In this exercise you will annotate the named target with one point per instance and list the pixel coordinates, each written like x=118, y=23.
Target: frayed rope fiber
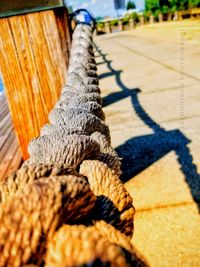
x=66, y=205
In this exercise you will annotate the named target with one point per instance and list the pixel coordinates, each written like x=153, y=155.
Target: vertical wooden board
x=10, y=155
x=65, y=30
x=18, y=27
x=33, y=60
x=46, y=73
x=7, y=152
x=13, y=80
x=48, y=59
x=14, y=164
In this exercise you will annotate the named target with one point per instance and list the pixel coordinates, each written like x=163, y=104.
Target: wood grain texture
x=10, y=154
x=34, y=53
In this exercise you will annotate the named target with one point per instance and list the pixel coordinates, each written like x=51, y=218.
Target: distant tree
x=183, y=4
x=194, y=3
x=152, y=5
x=173, y=5
x=130, y=5
x=164, y=3
x=165, y=9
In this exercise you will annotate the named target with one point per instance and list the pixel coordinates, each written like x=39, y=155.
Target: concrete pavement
x=150, y=82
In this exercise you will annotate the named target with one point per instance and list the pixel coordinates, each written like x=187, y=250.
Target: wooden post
x=120, y=25
x=131, y=24
x=95, y=32
x=108, y=27
x=34, y=53
x=73, y=24
x=169, y=17
x=180, y=15
x=160, y=17
x=152, y=19
x=142, y=20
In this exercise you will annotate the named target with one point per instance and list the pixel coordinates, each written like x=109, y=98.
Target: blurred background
x=148, y=62
x=148, y=58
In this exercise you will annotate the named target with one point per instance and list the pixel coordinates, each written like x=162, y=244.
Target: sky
x=101, y=8
x=1, y=86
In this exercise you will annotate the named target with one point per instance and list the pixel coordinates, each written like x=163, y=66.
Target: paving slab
x=151, y=95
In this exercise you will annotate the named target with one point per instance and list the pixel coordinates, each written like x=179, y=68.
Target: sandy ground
x=150, y=82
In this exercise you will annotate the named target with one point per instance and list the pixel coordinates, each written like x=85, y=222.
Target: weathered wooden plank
x=3, y=106
x=33, y=60
x=8, y=158
x=14, y=163
x=3, y=113
x=6, y=126
x=2, y=103
x=6, y=129
x=2, y=99
x=5, y=120
x=3, y=142
x=5, y=146
x=10, y=154
x=64, y=32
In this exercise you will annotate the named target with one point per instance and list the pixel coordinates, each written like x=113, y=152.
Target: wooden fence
x=107, y=26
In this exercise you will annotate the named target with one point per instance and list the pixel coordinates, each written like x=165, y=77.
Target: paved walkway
x=153, y=113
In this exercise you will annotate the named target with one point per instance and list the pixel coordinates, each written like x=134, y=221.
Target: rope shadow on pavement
x=138, y=153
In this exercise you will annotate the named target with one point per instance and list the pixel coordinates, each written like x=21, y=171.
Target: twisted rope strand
x=66, y=206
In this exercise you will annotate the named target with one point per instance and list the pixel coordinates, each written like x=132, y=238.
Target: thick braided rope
x=71, y=178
